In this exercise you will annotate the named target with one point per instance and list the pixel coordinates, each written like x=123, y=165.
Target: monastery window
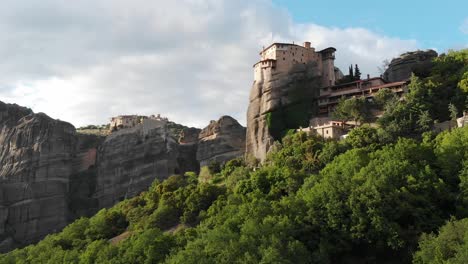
x=284, y=58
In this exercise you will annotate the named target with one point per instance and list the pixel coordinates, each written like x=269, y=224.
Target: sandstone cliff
x=36, y=161
x=419, y=62
x=188, y=146
x=221, y=141
x=50, y=174
x=129, y=160
x=277, y=103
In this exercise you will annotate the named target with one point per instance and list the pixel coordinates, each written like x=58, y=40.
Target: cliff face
x=419, y=62
x=277, y=100
x=36, y=160
x=129, y=160
x=221, y=141
x=50, y=175
x=188, y=146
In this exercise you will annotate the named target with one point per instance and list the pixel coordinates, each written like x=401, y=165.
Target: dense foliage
x=393, y=194
x=313, y=201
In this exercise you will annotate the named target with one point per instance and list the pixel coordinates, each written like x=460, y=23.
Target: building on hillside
x=329, y=96
x=158, y=117
x=129, y=121
x=280, y=58
x=332, y=129
x=463, y=121
x=327, y=128
x=124, y=121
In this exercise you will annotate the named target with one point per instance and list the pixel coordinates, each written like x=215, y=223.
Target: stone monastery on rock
x=279, y=59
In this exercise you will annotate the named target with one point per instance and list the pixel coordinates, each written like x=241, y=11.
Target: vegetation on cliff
x=297, y=106
x=394, y=194
x=312, y=201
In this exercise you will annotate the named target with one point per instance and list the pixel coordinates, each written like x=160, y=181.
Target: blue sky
x=434, y=24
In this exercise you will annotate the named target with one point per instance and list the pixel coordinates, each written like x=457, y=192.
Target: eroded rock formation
x=221, y=141
x=131, y=159
x=419, y=62
x=50, y=175
x=36, y=162
x=274, y=94
x=188, y=145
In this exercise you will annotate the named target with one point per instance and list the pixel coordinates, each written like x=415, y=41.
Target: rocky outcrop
x=189, y=135
x=418, y=62
x=50, y=174
x=221, y=141
x=130, y=159
x=270, y=97
x=83, y=180
x=36, y=162
x=188, y=146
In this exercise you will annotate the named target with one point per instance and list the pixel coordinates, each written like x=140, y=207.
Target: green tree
x=351, y=74
x=453, y=112
x=356, y=109
x=449, y=246
x=425, y=121
x=383, y=97
x=364, y=137
x=357, y=72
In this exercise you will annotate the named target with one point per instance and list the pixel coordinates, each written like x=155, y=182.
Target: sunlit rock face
x=221, y=141
x=273, y=93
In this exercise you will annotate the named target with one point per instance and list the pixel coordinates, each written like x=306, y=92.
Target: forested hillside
x=393, y=194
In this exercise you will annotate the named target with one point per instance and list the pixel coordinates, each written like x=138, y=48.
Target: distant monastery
x=129, y=121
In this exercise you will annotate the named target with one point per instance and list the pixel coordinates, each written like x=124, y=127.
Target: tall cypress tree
x=357, y=73
x=351, y=75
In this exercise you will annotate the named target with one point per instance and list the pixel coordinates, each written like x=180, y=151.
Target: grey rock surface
x=50, y=174
x=221, y=141
x=36, y=162
x=131, y=159
x=272, y=94
x=419, y=62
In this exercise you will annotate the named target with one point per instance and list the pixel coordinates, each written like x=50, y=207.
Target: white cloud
x=464, y=26
x=84, y=61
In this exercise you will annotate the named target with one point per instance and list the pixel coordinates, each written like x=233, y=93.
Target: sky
x=85, y=61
